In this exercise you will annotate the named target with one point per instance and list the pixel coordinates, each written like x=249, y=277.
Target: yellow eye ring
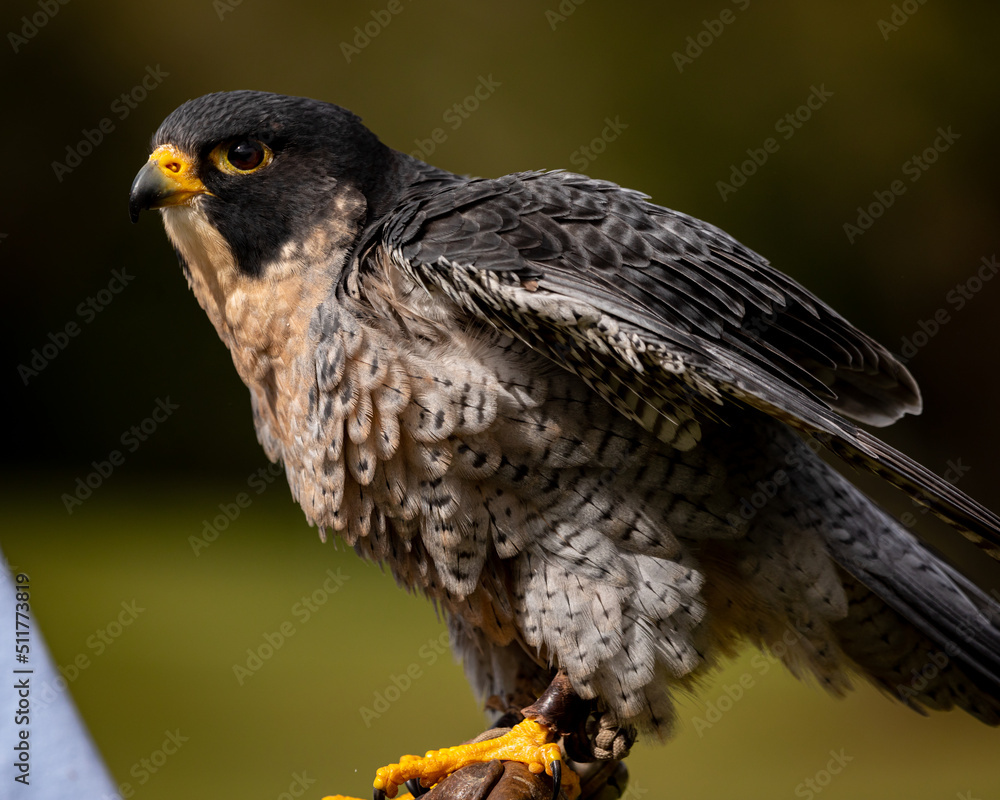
x=241, y=156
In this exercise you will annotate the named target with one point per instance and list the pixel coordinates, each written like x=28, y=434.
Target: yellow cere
x=178, y=172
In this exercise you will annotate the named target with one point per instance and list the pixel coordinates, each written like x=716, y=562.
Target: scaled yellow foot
x=406, y=796
x=527, y=742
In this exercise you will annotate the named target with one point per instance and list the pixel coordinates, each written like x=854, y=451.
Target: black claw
x=416, y=787
x=556, y=779
x=378, y=794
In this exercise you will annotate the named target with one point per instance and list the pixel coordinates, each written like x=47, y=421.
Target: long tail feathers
x=970, y=518
x=950, y=629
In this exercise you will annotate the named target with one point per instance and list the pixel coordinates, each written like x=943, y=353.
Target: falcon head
x=245, y=179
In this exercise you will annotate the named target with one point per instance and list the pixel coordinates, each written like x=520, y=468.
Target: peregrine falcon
x=586, y=426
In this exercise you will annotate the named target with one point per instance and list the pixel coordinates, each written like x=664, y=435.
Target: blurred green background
x=560, y=74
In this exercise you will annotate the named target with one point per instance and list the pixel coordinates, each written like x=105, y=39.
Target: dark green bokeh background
x=172, y=669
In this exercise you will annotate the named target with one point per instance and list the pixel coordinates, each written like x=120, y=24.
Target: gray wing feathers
x=664, y=315
x=662, y=271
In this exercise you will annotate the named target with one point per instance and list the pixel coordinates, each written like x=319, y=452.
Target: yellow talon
x=527, y=742
x=406, y=796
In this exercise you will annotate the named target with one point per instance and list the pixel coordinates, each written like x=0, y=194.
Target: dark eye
x=241, y=156
x=246, y=154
